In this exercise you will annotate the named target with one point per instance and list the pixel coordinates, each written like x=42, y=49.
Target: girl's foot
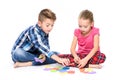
x=22, y=64
x=98, y=66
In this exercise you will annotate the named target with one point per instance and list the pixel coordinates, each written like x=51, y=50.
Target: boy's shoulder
x=30, y=27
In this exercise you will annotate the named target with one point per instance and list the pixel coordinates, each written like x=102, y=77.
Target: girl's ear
x=92, y=24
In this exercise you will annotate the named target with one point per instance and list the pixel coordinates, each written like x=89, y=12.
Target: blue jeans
x=20, y=55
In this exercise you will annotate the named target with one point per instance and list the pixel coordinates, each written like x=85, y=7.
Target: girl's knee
x=104, y=56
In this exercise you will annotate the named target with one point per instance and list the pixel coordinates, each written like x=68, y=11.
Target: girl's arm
x=95, y=48
x=84, y=61
x=73, y=46
x=73, y=50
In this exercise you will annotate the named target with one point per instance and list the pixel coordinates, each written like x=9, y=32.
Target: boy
x=32, y=46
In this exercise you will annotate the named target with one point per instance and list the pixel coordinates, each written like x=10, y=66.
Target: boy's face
x=46, y=25
x=84, y=25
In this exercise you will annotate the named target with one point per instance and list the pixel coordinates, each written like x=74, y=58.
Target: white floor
x=7, y=72
x=16, y=15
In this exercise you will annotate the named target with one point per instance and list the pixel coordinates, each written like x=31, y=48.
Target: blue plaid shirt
x=34, y=38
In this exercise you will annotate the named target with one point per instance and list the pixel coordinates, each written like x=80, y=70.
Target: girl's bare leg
x=22, y=64
x=98, y=66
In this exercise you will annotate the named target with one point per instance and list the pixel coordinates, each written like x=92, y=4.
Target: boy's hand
x=64, y=61
x=42, y=57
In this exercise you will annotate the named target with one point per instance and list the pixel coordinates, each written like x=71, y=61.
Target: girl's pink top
x=86, y=43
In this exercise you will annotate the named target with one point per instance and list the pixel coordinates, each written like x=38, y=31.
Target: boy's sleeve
x=36, y=40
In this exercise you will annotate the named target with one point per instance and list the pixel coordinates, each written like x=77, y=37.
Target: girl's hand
x=64, y=61
x=82, y=63
x=77, y=59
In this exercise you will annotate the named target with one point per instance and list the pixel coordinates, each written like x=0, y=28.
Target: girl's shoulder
x=95, y=30
x=77, y=32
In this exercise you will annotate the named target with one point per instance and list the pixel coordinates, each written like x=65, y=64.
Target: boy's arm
x=37, y=41
x=56, y=58
x=63, y=61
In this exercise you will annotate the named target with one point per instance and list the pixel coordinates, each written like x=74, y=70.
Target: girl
x=87, y=38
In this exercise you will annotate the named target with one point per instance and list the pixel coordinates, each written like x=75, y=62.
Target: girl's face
x=85, y=25
x=46, y=25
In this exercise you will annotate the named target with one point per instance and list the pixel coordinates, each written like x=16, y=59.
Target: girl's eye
x=80, y=26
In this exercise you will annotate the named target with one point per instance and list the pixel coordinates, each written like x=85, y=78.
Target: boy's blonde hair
x=46, y=13
x=86, y=14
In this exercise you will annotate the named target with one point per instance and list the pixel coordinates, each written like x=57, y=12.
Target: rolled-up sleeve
x=50, y=53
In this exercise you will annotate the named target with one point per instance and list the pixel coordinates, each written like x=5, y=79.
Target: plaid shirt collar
x=40, y=31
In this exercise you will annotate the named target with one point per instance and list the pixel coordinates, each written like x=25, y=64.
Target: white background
x=17, y=15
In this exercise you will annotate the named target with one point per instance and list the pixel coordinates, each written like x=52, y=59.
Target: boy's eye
x=47, y=25
x=52, y=25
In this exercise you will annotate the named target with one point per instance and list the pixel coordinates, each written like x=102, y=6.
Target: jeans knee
x=17, y=53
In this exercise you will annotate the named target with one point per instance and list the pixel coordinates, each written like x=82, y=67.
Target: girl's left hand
x=82, y=63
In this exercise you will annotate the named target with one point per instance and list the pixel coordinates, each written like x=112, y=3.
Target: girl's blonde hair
x=46, y=13
x=86, y=14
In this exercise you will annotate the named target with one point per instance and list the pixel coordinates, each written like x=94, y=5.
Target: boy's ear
x=39, y=23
